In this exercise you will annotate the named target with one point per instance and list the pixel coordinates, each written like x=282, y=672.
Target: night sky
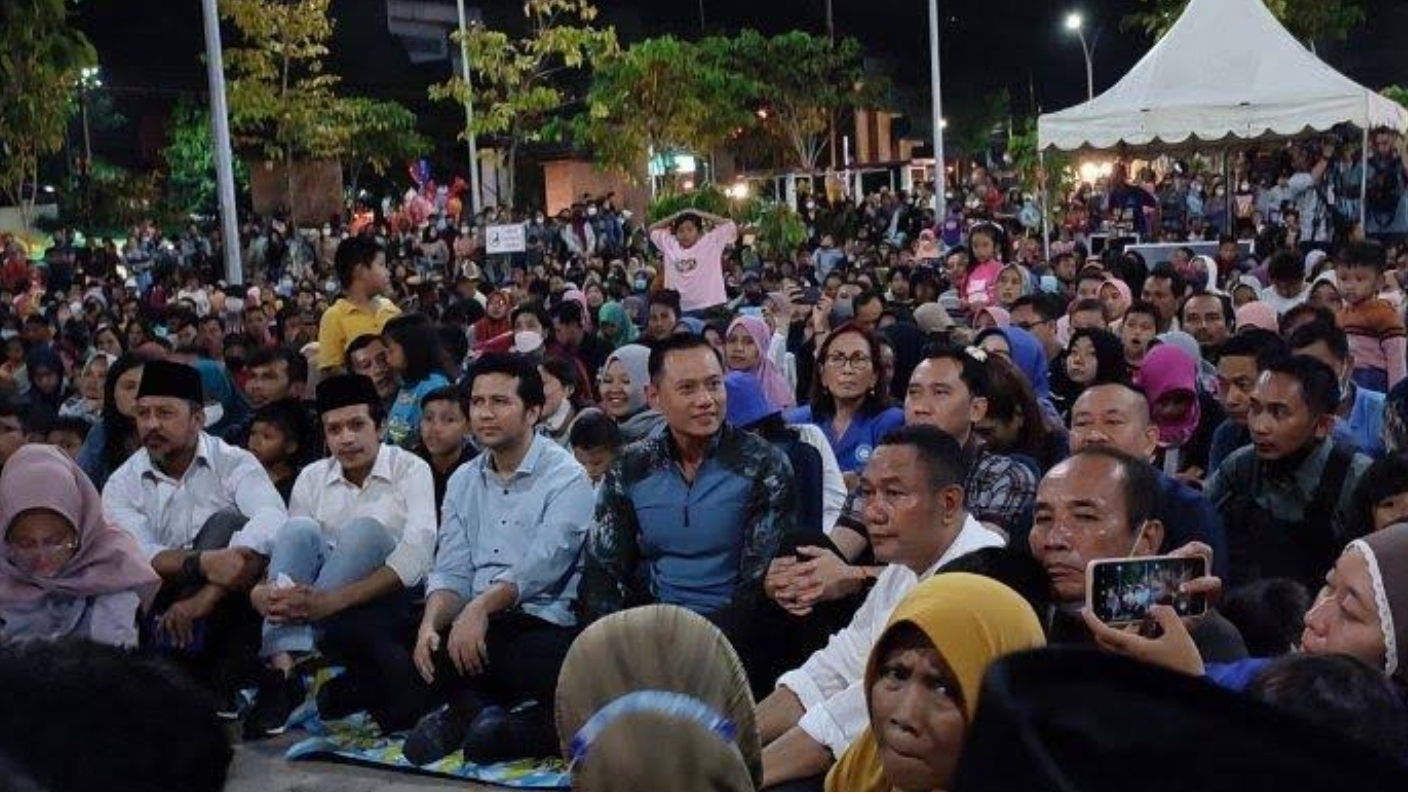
x=149, y=49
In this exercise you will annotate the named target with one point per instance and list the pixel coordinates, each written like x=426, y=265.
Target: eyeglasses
x=857, y=361
x=41, y=550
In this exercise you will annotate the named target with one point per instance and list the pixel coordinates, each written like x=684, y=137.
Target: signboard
x=507, y=239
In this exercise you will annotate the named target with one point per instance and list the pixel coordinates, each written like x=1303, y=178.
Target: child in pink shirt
x=1375, y=328
x=979, y=287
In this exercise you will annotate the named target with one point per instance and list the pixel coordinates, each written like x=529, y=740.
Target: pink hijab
x=1168, y=369
x=1000, y=316
x=1258, y=314
x=775, y=388
x=1126, y=297
x=107, y=560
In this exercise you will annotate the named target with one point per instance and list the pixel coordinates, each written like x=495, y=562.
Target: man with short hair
x=1164, y=288
x=1038, y=314
x=1243, y=357
x=206, y=513
x=911, y=496
x=1117, y=415
x=360, y=537
x=663, y=315
x=499, y=619
x=1359, y=417
x=1286, y=499
x=869, y=305
x=367, y=356
x=272, y=374
x=361, y=270
x=1208, y=318
x=1101, y=503
x=212, y=336
x=694, y=515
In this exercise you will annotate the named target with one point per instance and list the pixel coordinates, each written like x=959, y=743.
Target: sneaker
x=438, y=734
x=276, y=699
x=228, y=705
x=499, y=735
x=339, y=698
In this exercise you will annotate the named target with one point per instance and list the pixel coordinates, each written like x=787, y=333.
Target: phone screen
x=1122, y=591
x=811, y=296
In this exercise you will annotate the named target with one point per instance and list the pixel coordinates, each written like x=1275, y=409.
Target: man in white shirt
x=206, y=513
x=361, y=533
x=911, y=498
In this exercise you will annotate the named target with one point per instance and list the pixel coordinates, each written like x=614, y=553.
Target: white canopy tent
x=1227, y=70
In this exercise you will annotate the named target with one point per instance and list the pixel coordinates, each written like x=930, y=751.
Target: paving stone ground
x=260, y=766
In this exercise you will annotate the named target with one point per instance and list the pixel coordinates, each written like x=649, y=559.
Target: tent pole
x=1363, y=178
x=1045, y=205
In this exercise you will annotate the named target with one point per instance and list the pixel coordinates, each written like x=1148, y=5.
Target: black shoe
x=438, y=734
x=228, y=705
x=498, y=735
x=340, y=698
x=276, y=699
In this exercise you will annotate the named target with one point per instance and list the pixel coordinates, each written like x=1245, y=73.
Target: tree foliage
x=381, y=133
x=662, y=95
x=799, y=81
x=190, y=162
x=41, y=54
x=1308, y=20
x=520, y=82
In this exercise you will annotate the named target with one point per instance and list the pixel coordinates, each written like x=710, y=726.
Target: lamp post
x=469, y=115
x=1076, y=24
x=940, y=174
x=220, y=129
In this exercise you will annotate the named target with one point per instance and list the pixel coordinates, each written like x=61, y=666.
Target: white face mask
x=527, y=341
x=9, y=333
x=330, y=286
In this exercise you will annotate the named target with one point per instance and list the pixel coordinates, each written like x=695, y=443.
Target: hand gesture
x=178, y=623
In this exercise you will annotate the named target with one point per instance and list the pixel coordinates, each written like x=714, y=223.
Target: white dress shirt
x=399, y=493
x=831, y=683
x=164, y=513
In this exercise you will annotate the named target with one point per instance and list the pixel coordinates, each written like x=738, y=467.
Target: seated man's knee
x=365, y=535
x=300, y=535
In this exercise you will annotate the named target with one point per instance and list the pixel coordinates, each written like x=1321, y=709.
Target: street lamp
x=469, y=112
x=1076, y=24
x=936, y=107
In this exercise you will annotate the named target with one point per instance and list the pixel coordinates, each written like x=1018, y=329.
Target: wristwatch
x=190, y=569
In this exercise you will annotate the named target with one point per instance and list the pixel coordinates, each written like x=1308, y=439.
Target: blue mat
x=357, y=740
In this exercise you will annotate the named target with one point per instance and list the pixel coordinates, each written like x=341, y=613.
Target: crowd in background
x=834, y=484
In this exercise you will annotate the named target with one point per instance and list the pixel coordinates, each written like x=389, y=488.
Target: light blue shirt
x=528, y=531
x=403, y=420
x=1363, y=429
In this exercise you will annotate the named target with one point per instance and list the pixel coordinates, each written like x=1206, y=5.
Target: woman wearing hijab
x=622, y=390
x=47, y=390
x=1257, y=314
x=617, y=329
x=1117, y=298
x=1027, y=354
x=923, y=679
x=1185, y=414
x=114, y=439
x=746, y=346
x=87, y=401
x=991, y=317
x=1093, y=356
x=656, y=699
x=66, y=572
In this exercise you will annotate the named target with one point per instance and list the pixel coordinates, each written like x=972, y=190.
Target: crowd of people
x=775, y=516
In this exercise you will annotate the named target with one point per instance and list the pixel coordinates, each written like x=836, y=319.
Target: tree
x=664, y=96
x=1308, y=20
x=41, y=53
x=282, y=105
x=190, y=162
x=519, y=82
x=800, y=81
x=379, y=133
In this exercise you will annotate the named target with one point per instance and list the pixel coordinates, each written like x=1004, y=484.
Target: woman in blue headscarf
x=1026, y=353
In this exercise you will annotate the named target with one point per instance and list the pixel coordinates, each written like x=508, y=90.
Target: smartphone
x=1121, y=591
x=751, y=311
x=811, y=296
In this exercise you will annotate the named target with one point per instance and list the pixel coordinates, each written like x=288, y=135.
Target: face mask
x=591, y=212
x=9, y=333
x=330, y=286
x=538, y=219
x=75, y=308
x=327, y=230
x=527, y=341
x=641, y=284
x=464, y=230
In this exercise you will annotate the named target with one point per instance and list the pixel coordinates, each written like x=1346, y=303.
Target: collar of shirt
x=526, y=467
x=381, y=469
x=203, y=458
x=672, y=450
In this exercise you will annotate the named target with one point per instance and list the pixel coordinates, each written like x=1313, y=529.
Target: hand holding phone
x=1123, y=591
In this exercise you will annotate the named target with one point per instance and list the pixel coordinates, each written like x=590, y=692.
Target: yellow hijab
x=972, y=621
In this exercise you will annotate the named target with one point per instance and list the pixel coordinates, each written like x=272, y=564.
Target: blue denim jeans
x=302, y=551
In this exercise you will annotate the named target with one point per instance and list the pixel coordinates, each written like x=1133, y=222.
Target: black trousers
x=525, y=657
x=228, y=655
x=369, y=640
